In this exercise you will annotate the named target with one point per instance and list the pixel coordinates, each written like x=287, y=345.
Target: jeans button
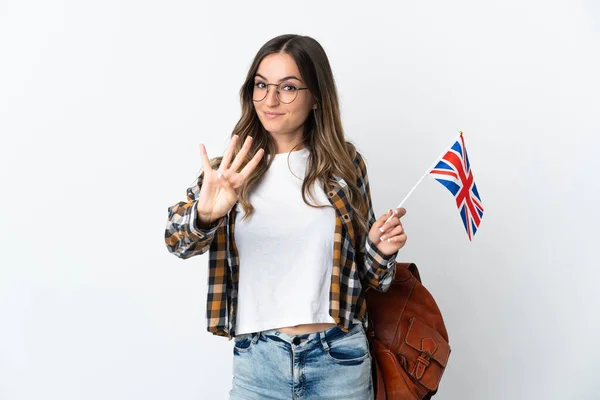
x=296, y=341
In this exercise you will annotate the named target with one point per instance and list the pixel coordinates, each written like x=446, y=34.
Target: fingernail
x=381, y=230
x=382, y=238
x=388, y=240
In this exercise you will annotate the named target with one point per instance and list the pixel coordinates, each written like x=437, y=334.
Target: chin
x=273, y=126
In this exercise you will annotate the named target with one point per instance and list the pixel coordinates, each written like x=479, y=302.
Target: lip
x=272, y=115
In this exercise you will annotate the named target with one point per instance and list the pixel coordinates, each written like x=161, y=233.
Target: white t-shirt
x=285, y=250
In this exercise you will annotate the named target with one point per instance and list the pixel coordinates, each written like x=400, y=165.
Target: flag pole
x=421, y=180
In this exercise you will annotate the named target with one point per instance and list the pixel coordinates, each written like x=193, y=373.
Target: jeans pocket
x=244, y=343
x=349, y=348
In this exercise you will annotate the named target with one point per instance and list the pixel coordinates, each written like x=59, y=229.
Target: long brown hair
x=330, y=153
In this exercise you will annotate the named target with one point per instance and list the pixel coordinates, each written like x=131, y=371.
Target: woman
x=287, y=216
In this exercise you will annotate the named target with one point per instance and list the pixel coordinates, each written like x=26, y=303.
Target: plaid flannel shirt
x=357, y=262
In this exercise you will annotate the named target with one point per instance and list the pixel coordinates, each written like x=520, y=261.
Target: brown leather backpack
x=407, y=338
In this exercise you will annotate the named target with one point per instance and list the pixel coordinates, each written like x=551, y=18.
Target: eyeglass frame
x=276, y=92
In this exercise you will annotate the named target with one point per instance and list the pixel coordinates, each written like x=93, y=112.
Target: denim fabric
x=329, y=364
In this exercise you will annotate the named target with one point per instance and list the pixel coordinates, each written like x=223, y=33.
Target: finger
x=389, y=223
x=241, y=156
x=398, y=239
x=228, y=153
x=397, y=212
x=205, y=161
x=398, y=230
x=252, y=164
x=400, y=212
x=379, y=223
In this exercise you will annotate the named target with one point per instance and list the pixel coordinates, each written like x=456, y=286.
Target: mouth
x=272, y=115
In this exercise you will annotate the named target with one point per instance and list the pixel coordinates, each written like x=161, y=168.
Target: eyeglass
x=286, y=93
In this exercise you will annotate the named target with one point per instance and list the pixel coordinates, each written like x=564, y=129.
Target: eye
x=259, y=85
x=289, y=88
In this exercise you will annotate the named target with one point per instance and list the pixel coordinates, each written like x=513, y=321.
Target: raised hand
x=219, y=190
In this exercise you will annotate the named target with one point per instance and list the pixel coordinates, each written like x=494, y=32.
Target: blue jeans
x=329, y=364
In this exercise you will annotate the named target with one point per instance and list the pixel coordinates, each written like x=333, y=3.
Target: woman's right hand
x=219, y=190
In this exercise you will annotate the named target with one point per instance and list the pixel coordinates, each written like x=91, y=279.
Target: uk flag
x=454, y=172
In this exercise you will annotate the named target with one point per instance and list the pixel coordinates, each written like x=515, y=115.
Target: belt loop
x=323, y=341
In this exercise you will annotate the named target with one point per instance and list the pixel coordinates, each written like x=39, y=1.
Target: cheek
x=301, y=112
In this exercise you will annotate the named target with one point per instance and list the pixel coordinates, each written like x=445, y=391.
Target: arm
x=185, y=235
x=212, y=198
x=377, y=270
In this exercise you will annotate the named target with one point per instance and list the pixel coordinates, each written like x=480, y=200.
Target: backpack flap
x=426, y=352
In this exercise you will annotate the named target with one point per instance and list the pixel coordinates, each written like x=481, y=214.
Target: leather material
x=408, y=339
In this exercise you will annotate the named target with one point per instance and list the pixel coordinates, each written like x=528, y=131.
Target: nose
x=272, y=99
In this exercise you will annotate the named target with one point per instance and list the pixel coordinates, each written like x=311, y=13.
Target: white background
x=102, y=108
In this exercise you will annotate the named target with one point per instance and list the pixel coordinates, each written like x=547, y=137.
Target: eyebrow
x=282, y=79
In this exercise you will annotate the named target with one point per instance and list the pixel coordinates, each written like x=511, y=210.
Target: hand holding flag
x=388, y=235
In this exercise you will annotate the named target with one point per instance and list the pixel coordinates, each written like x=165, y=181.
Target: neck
x=284, y=143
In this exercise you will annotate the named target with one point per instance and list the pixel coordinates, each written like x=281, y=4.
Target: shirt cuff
x=376, y=258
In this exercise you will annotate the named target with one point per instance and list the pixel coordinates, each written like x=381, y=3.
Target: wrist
x=204, y=221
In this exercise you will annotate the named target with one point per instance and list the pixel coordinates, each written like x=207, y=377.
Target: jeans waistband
x=329, y=333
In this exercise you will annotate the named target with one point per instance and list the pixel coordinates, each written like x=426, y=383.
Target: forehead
x=278, y=65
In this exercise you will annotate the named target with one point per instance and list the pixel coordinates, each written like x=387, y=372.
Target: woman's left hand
x=389, y=236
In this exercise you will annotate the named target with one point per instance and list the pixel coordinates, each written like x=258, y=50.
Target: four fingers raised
x=230, y=171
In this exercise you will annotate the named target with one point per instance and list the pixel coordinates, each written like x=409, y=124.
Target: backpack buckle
x=424, y=359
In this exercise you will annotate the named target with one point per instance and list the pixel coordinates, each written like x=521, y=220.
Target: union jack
x=454, y=172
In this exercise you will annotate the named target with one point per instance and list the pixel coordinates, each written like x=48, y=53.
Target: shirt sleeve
x=182, y=236
x=376, y=269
